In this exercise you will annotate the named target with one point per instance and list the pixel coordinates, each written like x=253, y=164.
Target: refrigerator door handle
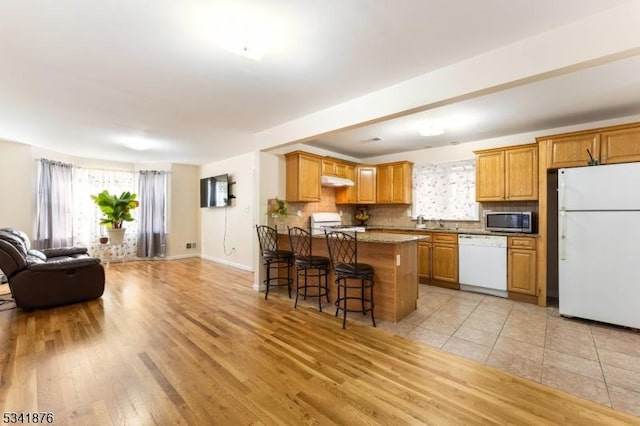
x=562, y=244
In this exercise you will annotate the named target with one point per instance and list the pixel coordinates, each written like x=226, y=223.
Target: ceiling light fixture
x=137, y=143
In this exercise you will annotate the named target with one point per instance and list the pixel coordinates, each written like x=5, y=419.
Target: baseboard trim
x=226, y=262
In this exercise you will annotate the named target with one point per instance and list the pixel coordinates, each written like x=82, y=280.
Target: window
x=445, y=191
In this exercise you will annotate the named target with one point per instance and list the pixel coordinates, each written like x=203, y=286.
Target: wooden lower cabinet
x=522, y=277
x=444, y=260
x=424, y=261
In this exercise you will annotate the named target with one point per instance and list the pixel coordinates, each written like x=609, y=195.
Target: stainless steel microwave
x=510, y=222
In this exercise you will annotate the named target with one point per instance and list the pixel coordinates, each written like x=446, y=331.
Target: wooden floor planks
x=189, y=342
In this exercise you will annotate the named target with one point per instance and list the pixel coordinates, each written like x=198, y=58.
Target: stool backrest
x=343, y=247
x=268, y=238
x=300, y=240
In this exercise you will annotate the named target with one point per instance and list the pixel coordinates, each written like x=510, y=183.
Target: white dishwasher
x=482, y=263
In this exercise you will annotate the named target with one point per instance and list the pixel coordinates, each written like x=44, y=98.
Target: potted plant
x=116, y=210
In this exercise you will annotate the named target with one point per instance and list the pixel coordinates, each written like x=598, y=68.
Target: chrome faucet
x=441, y=223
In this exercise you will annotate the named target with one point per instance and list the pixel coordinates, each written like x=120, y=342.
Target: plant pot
x=116, y=236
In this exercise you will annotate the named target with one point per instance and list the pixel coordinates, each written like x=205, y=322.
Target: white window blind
x=445, y=191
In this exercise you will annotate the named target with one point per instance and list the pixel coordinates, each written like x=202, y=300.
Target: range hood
x=335, y=181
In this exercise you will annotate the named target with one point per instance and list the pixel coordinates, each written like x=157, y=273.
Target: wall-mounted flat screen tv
x=214, y=191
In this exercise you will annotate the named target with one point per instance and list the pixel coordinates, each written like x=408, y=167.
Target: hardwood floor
x=189, y=342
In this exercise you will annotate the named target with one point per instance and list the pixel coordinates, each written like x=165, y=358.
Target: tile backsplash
x=383, y=214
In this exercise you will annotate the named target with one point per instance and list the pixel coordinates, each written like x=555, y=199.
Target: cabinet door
x=490, y=176
x=340, y=170
x=620, y=146
x=328, y=167
x=384, y=184
x=445, y=263
x=521, y=174
x=521, y=271
x=571, y=151
x=366, y=184
x=347, y=194
x=303, y=177
x=402, y=179
x=424, y=261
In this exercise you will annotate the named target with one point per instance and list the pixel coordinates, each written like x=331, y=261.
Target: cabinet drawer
x=439, y=238
x=522, y=243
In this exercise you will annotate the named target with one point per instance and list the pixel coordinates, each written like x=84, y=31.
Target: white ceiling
x=83, y=77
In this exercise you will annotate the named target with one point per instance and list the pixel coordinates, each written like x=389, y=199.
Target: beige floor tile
x=441, y=325
x=576, y=384
x=459, y=306
x=617, y=340
x=619, y=360
x=416, y=317
x=481, y=337
x=497, y=304
x=522, y=349
x=572, y=363
x=557, y=343
x=443, y=314
x=581, y=336
x=625, y=400
x=428, y=337
x=469, y=296
x=467, y=349
x=475, y=321
x=515, y=364
x=524, y=333
x=486, y=313
x=622, y=378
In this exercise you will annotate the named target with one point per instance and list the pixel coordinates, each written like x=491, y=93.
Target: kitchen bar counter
x=395, y=262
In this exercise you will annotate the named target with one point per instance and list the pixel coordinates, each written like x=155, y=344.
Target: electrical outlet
x=193, y=245
x=299, y=213
x=188, y=245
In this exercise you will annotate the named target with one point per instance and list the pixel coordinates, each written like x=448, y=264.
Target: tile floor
x=588, y=359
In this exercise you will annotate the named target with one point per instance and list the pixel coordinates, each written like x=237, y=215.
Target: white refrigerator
x=599, y=243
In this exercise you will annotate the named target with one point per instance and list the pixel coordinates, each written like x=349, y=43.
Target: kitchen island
x=395, y=262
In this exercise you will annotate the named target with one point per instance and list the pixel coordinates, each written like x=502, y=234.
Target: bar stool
x=343, y=251
x=274, y=258
x=309, y=266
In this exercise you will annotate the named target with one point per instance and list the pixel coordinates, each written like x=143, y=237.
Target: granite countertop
x=414, y=230
x=384, y=237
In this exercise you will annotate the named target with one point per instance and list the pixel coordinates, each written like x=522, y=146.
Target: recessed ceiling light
x=455, y=143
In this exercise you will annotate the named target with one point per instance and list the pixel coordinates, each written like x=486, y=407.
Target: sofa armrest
x=65, y=263
x=63, y=251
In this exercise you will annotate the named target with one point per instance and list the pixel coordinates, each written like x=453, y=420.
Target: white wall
x=16, y=182
x=184, y=216
x=227, y=234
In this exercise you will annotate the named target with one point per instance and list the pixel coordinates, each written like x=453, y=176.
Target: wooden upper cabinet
x=328, y=167
x=366, y=184
x=507, y=174
x=303, y=176
x=394, y=183
x=571, y=150
x=620, y=146
x=347, y=194
x=490, y=176
x=340, y=170
x=521, y=173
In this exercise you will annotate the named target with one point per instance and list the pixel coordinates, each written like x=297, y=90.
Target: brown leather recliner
x=48, y=277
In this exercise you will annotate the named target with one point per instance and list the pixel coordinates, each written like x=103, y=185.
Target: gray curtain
x=54, y=199
x=152, y=235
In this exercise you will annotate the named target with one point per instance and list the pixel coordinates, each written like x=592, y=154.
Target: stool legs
x=366, y=304
x=277, y=265
x=303, y=289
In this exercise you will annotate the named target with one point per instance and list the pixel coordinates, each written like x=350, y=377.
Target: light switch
x=397, y=260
